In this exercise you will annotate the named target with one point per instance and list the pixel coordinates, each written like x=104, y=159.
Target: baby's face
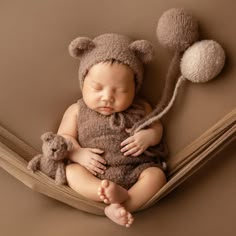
x=109, y=88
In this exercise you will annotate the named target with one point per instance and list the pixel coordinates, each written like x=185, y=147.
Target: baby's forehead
x=114, y=69
x=113, y=73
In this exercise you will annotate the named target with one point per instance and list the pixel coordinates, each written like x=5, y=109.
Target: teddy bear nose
x=54, y=149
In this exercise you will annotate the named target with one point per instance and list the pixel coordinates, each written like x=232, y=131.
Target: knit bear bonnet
x=112, y=47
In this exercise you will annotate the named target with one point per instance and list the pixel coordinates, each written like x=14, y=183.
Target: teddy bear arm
x=34, y=163
x=60, y=177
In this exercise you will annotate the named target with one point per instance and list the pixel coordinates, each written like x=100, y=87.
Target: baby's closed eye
x=122, y=90
x=96, y=87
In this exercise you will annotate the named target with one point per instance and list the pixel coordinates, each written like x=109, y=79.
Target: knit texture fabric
x=203, y=61
x=177, y=29
x=106, y=133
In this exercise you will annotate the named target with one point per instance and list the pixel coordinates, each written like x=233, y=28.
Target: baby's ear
x=143, y=49
x=79, y=46
x=47, y=136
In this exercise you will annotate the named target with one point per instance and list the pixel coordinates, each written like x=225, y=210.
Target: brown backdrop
x=38, y=80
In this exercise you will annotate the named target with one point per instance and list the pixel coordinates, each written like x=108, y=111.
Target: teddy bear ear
x=47, y=136
x=143, y=49
x=79, y=46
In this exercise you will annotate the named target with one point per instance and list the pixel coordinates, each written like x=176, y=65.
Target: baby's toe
x=130, y=217
x=105, y=183
x=129, y=223
x=130, y=220
x=99, y=192
x=122, y=212
x=105, y=200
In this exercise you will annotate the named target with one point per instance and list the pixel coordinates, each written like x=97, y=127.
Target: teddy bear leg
x=60, y=177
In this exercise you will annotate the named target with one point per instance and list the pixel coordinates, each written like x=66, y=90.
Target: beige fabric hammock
x=15, y=154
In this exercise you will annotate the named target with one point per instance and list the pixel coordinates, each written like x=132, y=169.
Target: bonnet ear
x=143, y=49
x=47, y=136
x=79, y=46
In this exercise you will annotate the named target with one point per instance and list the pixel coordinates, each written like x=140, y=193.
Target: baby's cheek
x=90, y=101
x=124, y=103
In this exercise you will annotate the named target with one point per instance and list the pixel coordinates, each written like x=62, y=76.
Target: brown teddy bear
x=52, y=160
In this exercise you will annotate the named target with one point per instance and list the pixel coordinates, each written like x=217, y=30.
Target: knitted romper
x=106, y=133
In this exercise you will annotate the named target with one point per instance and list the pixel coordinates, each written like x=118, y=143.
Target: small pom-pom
x=144, y=50
x=79, y=46
x=202, y=61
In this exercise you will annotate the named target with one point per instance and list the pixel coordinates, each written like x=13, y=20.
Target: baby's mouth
x=107, y=109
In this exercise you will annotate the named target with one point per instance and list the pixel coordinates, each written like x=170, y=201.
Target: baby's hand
x=91, y=160
x=136, y=144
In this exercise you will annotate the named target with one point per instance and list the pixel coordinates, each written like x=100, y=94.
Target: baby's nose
x=108, y=96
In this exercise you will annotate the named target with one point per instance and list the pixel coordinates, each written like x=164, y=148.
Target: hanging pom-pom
x=202, y=61
x=177, y=29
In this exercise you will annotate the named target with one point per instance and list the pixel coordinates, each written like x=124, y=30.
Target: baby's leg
x=149, y=182
x=82, y=181
x=86, y=184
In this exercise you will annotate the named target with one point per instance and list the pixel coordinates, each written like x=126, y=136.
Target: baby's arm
x=88, y=157
x=139, y=142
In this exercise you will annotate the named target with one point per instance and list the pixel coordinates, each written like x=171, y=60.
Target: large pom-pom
x=177, y=29
x=202, y=61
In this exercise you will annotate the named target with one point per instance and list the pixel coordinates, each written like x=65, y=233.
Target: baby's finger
x=91, y=170
x=128, y=147
x=139, y=152
x=127, y=141
x=96, y=150
x=131, y=151
x=98, y=164
x=97, y=170
x=99, y=159
x=95, y=163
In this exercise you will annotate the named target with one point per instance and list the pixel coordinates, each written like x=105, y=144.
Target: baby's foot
x=110, y=192
x=119, y=214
